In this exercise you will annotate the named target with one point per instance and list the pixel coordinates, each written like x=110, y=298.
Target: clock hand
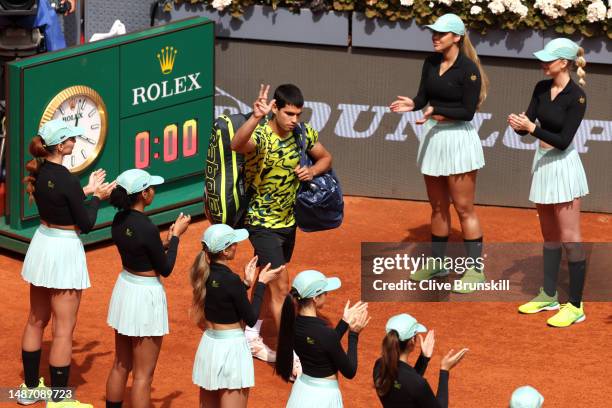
x=87, y=139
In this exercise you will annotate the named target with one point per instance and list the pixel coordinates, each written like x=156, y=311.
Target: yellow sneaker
x=568, y=315
x=469, y=281
x=29, y=396
x=67, y=404
x=433, y=269
x=540, y=303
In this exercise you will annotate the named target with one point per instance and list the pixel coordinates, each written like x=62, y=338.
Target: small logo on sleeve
x=310, y=340
x=474, y=77
x=129, y=232
x=50, y=184
x=582, y=100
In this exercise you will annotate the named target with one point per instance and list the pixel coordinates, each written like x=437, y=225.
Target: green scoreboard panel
x=144, y=99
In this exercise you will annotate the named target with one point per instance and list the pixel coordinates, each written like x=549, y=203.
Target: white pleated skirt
x=311, y=392
x=138, y=306
x=449, y=148
x=56, y=259
x=557, y=176
x=223, y=361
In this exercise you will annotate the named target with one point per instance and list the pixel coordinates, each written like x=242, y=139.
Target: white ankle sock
x=252, y=333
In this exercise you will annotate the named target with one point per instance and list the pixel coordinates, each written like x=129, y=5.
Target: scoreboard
x=145, y=100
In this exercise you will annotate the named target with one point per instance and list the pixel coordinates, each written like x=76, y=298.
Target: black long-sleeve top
x=319, y=349
x=60, y=198
x=139, y=244
x=411, y=390
x=226, y=297
x=559, y=118
x=453, y=94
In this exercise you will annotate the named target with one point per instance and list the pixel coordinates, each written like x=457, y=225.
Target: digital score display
x=189, y=139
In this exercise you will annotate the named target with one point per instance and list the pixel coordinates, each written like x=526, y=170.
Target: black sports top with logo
x=139, y=244
x=226, y=297
x=453, y=94
x=560, y=117
x=411, y=390
x=319, y=349
x=60, y=198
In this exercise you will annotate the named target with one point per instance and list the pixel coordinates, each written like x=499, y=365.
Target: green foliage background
x=573, y=22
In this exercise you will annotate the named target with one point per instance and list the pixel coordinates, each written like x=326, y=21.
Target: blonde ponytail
x=470, y=52
x=581, y=63
x=198, y=275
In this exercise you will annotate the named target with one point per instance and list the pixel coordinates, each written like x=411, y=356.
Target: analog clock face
x=80, y=106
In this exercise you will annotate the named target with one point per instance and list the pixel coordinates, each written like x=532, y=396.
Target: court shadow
x=422, y=233
x=609, y=319
x=166, y=402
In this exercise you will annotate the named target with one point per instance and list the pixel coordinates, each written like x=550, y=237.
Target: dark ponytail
x=39, y=151
x=286, y=335
x=392, y=347
x=120, y=199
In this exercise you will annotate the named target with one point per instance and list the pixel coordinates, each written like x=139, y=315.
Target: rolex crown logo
x=166, y=57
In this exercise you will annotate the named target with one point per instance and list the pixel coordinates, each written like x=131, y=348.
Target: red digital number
x=141, y=152
x=190, y=138
x=170, y=143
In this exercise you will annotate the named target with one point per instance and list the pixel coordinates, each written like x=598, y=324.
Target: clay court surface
x=571, y=367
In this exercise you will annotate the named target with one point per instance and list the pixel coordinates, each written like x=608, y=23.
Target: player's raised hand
x=261, y=106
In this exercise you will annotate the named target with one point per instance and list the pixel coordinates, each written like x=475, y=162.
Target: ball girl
x=55, y=265
x=138, y=310
x=223, y=367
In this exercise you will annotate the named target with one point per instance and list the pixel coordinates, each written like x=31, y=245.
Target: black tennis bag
x=225, y=198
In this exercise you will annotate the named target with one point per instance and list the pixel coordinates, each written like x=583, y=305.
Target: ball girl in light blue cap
x=397, y=383
x=317, y=345
x=526, y=397
x=138, y=310
x=55, y=265
x=558, y=178
x=223, y=366
x=453, y=87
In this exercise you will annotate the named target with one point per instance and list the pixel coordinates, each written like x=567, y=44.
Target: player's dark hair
x=392, y=347
x=198, y=275
x=39, y=151
x=286, y=333
x=121, y=200
x=288, y=94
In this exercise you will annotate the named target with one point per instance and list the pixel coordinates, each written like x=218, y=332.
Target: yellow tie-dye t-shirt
x=275, y=158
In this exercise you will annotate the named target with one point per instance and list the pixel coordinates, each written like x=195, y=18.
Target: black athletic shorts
x=273, y=245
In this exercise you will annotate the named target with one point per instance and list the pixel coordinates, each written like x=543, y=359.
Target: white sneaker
x=297, y=369
x=261, y=351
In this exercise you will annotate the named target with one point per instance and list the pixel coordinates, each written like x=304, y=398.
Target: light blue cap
x=558, y=48
x=56, y=131
x=405, y=325
x=218, y=237
x=526, y=397
x=448, y=23
x=137, y=180
x=311, y=283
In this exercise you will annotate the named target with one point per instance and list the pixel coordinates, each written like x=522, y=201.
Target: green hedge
x=590, y=18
